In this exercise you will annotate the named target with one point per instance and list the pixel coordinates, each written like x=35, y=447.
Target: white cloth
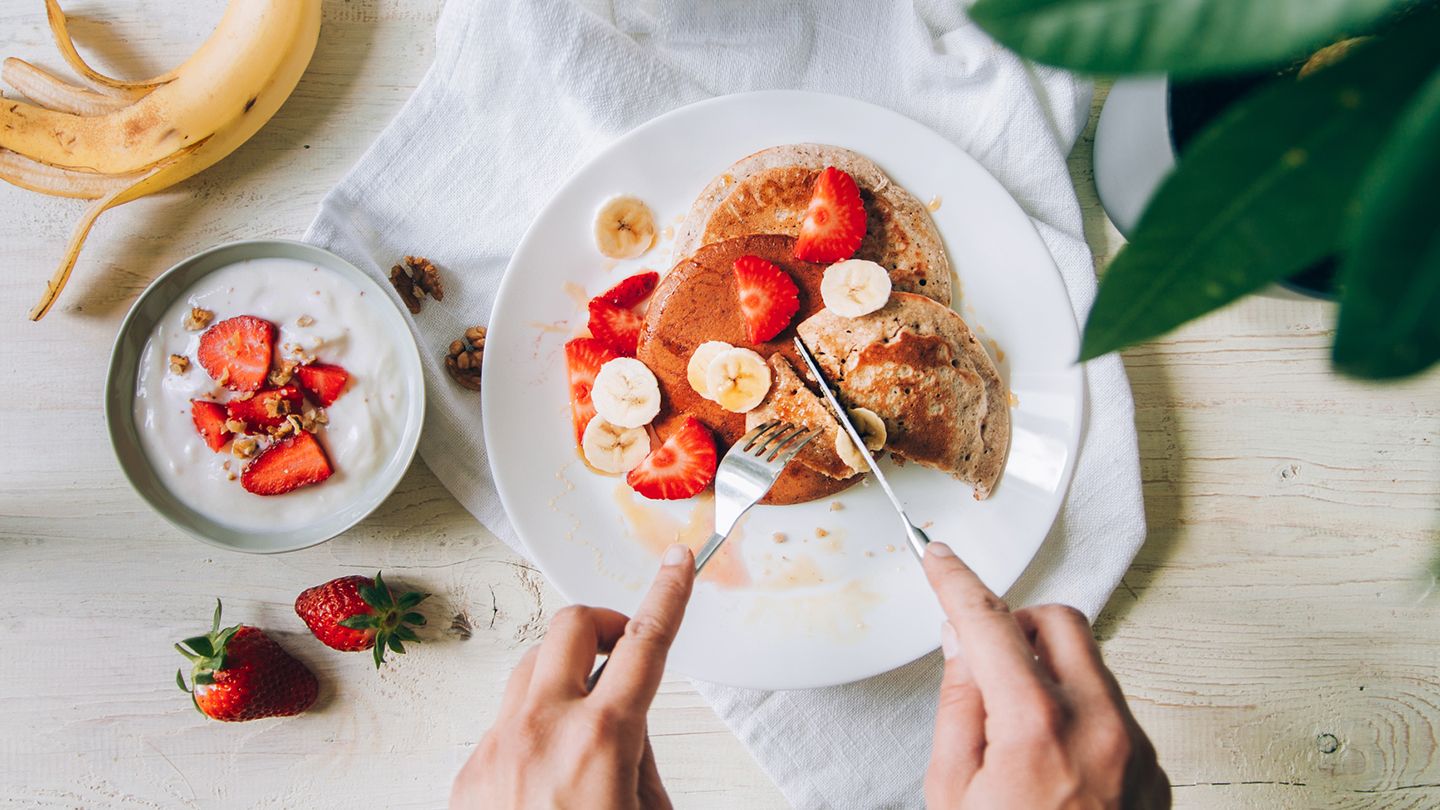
x=522, y=92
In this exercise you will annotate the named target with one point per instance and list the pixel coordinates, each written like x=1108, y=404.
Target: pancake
x=791, y=400
x=697, y=301
x=768, y=192
x=918, y=365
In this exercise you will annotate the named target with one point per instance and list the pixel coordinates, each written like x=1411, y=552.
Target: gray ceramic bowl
x=120, y=398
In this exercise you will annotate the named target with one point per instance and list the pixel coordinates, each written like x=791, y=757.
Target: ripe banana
x=738, y=380
x=872, y=431
x=624, y=227
x=208, y=107
x=614, y=449
x=699, y=365
x=626, y=393
x=854, y=287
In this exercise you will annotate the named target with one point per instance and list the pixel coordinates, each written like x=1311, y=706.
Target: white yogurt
x=365, y=423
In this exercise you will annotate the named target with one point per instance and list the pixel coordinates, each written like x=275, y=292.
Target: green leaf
x=406, y=634
x=395, y=644
x=414, y=618
x=373, y=596
x=215, y=621
x=180, y=681
x=1390, y=311
x=201, y=645
x=410, y=600
x=1262, y=194
x=204, y=678
x=1181, y=37
x=378, y=652
x=360, y=621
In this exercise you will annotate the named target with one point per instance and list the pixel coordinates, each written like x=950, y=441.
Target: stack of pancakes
x=914, y=362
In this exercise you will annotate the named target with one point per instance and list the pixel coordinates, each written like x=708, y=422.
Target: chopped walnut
x=244, y=447
x=414, y=279
x=304, y=321
x=465, y=357
x=179, y=364
x=836, y=506
x=276, y=407
x=198, y=319
x=281, y=430
x=311, y=420
x=296, y=425
x=282, y=374
x=224, y=376
x=245, y=395
x=235, y=426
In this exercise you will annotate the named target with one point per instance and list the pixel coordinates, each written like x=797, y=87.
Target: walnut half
x=465, y=357
x=414, y=279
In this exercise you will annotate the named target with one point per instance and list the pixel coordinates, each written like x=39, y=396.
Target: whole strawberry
x=355, y=613
x=239, y=673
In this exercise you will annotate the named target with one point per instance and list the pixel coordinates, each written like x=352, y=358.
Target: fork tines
x=776, y=441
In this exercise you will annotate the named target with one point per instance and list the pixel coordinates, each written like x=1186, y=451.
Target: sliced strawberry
x=632, y=290
x=680, y=468
x=615, y=327
x=209, y=419
x=768, y=297
x=324, y=382
x=236, y=352
x=287, y=465
x=583, y=359
x=266, y=409
x=834, y=223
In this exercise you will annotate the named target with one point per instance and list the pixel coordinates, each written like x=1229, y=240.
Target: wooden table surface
x=1278, y=635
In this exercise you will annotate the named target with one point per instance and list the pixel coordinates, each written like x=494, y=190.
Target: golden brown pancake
x=697, y=301
x=918, y=365
x=769, y=191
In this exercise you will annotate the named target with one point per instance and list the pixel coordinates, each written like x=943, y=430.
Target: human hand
x=556, y=745
x=1029, y=715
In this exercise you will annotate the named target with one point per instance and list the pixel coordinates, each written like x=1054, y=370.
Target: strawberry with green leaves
x=356, y=613
x=239, y=673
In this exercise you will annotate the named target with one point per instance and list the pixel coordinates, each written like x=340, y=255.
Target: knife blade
x=913, y=534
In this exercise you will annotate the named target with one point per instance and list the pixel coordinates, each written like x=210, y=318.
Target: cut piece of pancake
x=769, y=191
x=918, y=365
x=791, y=400
x=696, y=302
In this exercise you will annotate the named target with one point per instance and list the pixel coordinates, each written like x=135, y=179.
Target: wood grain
x=1278, y=635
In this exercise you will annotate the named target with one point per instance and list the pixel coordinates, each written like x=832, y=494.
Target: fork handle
x=711, y=546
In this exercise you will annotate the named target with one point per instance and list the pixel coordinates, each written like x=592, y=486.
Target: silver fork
x=748, y=471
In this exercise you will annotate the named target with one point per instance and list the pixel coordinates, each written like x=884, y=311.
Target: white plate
x=854, y=603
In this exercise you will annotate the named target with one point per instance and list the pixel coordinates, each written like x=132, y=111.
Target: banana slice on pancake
x=855, y=287
x=738, y=380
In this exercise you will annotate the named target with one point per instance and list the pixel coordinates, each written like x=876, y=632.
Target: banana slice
x=738, y=379
x=614, y=449
x=700, y=364
x=854, y=287
x=626, y=393
x=624, y=227
x=872, y=431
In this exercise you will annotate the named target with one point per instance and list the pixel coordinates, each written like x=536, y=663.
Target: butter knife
x=914, y=534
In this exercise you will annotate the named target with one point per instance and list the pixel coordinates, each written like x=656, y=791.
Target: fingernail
x=949, y=642
x=676, y=554
x=940, y=550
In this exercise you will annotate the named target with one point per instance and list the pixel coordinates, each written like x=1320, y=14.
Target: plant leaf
x=359, y=621
x=1180, y=37
x=1260, y=195
x=1390, y=311
x=201, y=646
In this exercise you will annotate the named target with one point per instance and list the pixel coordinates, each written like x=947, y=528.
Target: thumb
x=959, y=727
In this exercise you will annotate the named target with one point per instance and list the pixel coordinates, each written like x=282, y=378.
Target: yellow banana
x=217, y=86
x=294, y=44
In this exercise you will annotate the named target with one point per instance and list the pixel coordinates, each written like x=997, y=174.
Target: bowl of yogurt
x=279, y=458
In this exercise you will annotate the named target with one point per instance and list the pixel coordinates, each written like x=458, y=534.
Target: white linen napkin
x=522, y=92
